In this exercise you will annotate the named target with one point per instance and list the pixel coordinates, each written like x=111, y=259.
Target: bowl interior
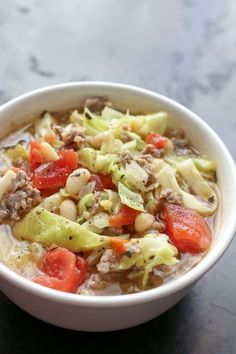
x=142, y=101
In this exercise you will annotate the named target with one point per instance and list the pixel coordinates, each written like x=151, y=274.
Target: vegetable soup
x=95, y=201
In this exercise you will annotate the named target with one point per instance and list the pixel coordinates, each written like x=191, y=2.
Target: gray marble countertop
x=184, y=49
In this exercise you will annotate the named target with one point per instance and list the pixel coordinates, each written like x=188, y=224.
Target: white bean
x=68, y=210
x=76, y=180
x=143, y=222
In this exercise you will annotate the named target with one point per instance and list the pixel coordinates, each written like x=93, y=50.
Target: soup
x=95, y=201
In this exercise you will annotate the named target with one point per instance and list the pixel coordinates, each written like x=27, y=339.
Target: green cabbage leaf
x=46, y=228
x=131, y=199
x=154, y=250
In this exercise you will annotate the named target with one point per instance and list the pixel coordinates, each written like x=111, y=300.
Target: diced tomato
x=36, y=156
x=63, y=270
x=68, y=159
x=118, y=245
x=126, y=216
x=47, y=192
x=53, y=175
x=107, y=182
x=102, y=181
x=187, y=229
x=49, y=176
x=157, y=140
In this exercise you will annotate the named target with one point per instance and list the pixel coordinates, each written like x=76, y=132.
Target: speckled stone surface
x=182, y=48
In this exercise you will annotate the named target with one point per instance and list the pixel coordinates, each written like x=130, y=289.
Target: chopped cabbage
x=43, y=126
x=96, y=223
x=111, y=201
x=104, y=163
x=154, y=250
x=50, y=229
x=86, y=202
x=111, y=145
x=142, y=125
x=101, y=220
x=129, y=198
x=93, y=123
x=167, y=180
x=18, y=151
x=96, y=161
x=155, y=123
x=109, y=114
x=157, y=165
x=118, y=175
x=196, y=182
x=48, y=152
x=53, y=202
x=136, y=175
x=203, y=164
x=129, y=146
x=133, y=137
x=76, y=118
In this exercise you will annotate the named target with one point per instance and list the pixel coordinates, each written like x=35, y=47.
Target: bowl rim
x=174, y=285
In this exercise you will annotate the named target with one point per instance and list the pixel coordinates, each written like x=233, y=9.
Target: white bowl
x=109, y=313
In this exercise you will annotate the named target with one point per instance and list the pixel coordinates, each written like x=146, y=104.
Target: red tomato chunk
x=54, y=174
x=63, y=270
x=187, y=229
x=102, y=181
x=36, y=155
x=157, y=140
x=126, y=216
x=118, y=245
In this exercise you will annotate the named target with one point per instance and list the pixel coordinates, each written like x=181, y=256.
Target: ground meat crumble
x=73, y=139
x=125, y=157
x=96, y=104
x=182, y=144
x=153, y=151
x=20, y=199
x=107, y=262
x=94, y=282
x=171, y=197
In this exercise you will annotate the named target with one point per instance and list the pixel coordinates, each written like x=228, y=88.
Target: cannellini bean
x=143, y=222
x=68, y=210
x=76, y=180
x=99, y=139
